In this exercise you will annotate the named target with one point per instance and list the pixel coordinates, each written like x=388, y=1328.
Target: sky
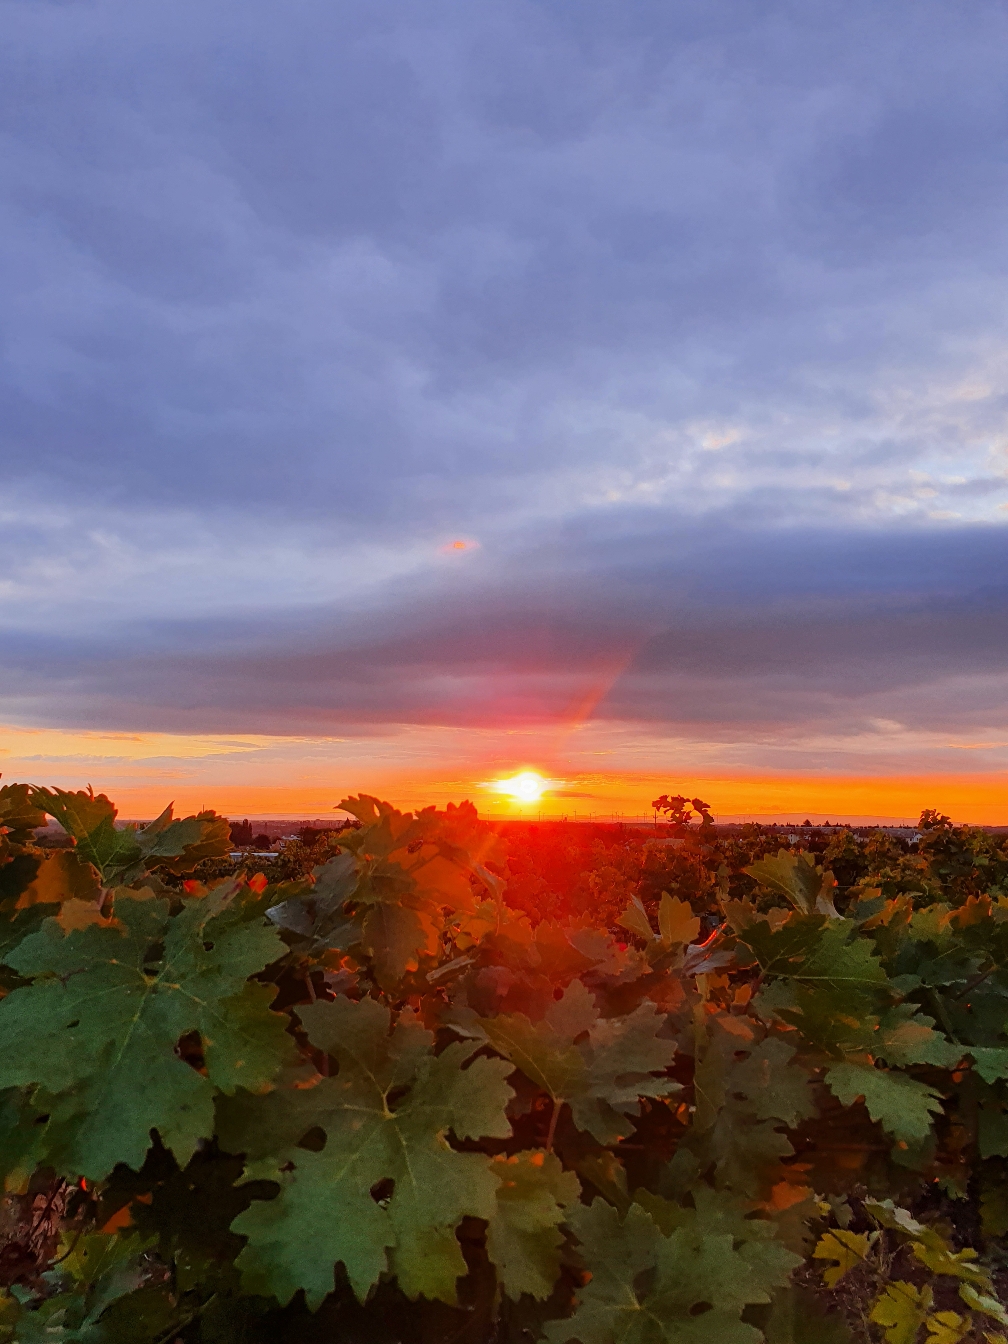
x=394, y=397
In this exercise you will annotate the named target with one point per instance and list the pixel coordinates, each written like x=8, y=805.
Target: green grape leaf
x=810, y=951
x=90, y=820
x=105, y=1272
x=780, y=945
x=95, y=1255
x=600, y=1066
x=846, y=1249
x=798, y=1317
x=409, y=872
x=690, y=1287
x=523, y=1236
x=746, y=1088
x=771, y=1087
x=904, y=1036
x=318, y=913
x=99, y=1026
x=21, y=1138
x=395, y=937
x=901, y=1104
x=991, y=1061
x=796, y=877
x=827, y=981
x=123, y=854
x=387, y=1190
x=177, y=846
x=901, y=1309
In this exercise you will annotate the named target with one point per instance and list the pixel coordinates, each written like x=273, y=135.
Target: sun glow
x=525, y=787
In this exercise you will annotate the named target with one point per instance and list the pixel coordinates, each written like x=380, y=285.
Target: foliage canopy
x=381, y=1098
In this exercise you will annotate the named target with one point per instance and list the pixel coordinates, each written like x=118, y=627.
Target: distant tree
x=931, y=820
x=241, y=833
x=679, y=811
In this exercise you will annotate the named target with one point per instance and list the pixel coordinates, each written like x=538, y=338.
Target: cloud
x=689, y=319
x=763, y=647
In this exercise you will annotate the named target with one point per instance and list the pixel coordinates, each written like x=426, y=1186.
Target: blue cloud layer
x=692, y=316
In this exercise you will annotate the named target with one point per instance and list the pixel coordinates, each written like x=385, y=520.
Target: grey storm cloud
x=783, y=636
x=691, y=316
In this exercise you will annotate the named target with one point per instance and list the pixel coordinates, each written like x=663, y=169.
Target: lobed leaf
x=98, y=1026
x=846, y=1249
x=386, y=1118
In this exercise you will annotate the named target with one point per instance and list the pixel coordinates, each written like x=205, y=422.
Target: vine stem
x=557, y=1103
x=943, y=1016
x=976, y=981
x=73, y=1246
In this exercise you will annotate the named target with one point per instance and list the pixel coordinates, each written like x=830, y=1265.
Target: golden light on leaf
x=525, y=787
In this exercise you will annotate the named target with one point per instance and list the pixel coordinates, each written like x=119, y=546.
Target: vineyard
x=427, y=1080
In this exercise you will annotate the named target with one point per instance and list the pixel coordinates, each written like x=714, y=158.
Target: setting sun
x=525, y=787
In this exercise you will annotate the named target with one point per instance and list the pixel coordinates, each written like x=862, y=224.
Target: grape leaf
x=100, y=1273
x=688, y=1287
x=991, y=1061
x=903, y=1105
x=677, y=925
x=904, y=1036
x=825, y=980
x=20, y=816
x=676, y=920
x=634, y=918
x=99, y=1025
x=994, y=1202
x=523, y=1237
x=993, y=1122
x=178, y=846
x=123, y=854
x=947, y=1327
x=90, y=820
x=746, y=1088
x=902, y=1309
x=386, y=1118
x=984, y=1302
x=796, y=876
x=798, y=1317
x=847, y=1250
x=21, y=1139
x=409, y=872
x=318, y=912
x=603, y=1076
x=62, y=876
x=928, y=1243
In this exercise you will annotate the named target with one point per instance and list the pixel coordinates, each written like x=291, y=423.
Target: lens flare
x=525, y=787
